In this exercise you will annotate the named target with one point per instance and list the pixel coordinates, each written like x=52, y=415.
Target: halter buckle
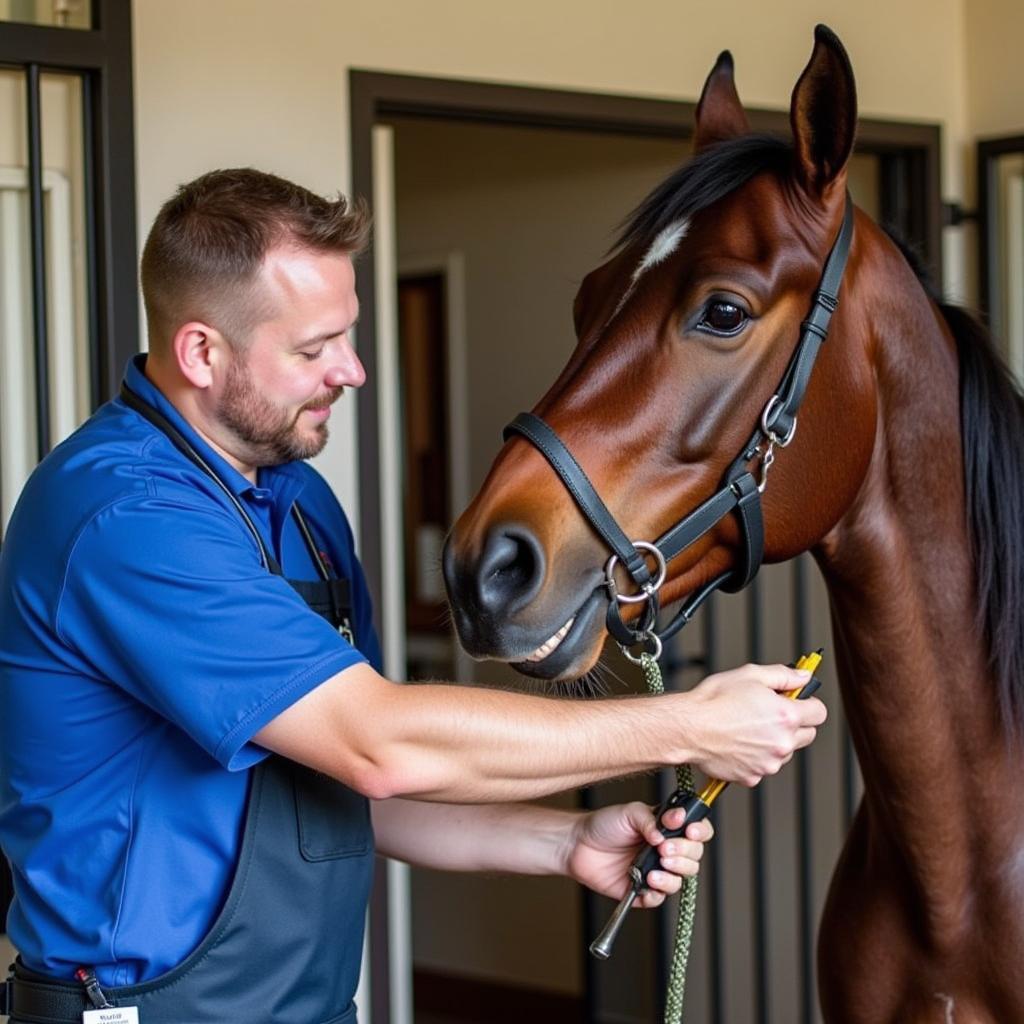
x=648, y=589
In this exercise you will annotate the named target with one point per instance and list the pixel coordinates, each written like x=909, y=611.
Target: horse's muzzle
x=488, y=591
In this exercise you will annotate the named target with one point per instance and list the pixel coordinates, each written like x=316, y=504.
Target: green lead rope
x=688, y=894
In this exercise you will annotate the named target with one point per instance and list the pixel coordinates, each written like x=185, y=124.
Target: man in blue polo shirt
x=192, y=711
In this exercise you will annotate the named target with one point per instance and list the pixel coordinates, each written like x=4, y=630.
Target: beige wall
x=228, y=82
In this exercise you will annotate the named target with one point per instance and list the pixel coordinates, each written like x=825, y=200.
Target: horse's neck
x=922, y=712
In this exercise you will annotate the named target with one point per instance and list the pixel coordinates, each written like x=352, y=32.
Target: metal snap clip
x=636, y=659
x=767, y=458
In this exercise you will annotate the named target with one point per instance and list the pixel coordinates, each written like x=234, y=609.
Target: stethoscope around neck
x=138, y=404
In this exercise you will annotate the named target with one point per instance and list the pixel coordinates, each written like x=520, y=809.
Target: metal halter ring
x=638, y=658
x=766, y=416
x=648, y=589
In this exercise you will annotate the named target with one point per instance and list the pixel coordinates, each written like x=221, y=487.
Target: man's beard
x=271, y=434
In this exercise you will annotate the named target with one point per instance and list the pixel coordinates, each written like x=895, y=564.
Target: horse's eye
x=722, y=317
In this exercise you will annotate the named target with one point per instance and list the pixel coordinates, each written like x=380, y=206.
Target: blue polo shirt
x=142, y=645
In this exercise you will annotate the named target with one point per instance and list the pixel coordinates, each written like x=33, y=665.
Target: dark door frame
x=989, y=288
x=910, y=160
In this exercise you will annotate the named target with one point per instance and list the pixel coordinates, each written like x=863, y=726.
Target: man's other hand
x=602, y=845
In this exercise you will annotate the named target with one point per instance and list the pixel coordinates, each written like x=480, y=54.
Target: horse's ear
x=720, y=114
x=823, y=114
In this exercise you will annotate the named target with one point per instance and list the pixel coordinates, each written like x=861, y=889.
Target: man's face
x=280, y=384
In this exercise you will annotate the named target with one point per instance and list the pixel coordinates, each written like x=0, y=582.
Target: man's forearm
x=462, y=744
x=472, y=744
x=466, y=744
x=526, y=839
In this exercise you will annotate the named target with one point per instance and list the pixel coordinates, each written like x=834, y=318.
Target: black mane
x=992, y=429
x=707, y=177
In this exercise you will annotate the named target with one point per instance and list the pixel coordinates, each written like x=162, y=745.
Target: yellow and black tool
x=697, y=807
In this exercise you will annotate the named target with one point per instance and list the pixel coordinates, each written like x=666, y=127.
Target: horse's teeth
x=551, y=643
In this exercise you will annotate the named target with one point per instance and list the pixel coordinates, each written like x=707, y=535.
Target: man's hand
x=602, y=844
x=747, y=729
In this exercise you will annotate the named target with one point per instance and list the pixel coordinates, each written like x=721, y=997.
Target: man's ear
x=720, y=114
x=197, y=349
x=823, y=115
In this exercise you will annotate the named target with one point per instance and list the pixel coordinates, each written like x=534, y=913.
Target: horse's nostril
x=510, y=571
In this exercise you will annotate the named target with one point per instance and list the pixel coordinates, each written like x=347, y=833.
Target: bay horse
x=905, y=479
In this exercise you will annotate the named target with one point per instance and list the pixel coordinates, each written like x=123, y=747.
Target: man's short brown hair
x=204, y=252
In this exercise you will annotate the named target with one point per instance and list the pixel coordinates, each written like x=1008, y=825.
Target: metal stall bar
x=755, y=653
x=592, y=923
x=801, y=642
x=91, y=249
x=38, y=231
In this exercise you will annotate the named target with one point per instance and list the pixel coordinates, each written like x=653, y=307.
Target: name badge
x=112, y=1015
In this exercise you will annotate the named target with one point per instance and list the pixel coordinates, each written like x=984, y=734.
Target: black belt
x=30, y=997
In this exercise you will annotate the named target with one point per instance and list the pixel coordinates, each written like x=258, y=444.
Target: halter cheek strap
x=740, y=493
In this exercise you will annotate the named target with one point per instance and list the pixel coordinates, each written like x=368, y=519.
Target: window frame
x=102, y=56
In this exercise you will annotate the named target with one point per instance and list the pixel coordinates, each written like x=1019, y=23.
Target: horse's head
x=683, y=336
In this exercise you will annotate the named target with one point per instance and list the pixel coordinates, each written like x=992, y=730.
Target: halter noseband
x=740, y=492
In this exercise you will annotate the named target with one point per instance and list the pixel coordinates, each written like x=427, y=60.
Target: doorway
x=527, y=212
x=522, y=190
